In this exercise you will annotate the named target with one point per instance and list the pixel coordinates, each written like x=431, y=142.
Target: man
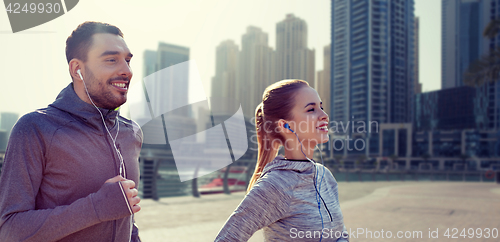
x=71, y=169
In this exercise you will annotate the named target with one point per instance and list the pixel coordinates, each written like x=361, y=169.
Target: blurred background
x=411, y=86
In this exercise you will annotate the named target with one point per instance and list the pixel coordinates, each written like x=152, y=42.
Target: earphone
x=80, y=74
x=287, y=126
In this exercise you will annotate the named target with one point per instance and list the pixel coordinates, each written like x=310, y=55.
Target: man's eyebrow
x=110, y=52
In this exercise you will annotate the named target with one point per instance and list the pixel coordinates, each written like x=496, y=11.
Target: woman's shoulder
x=280, y=178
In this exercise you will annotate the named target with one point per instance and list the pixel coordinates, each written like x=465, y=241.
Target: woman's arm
x=263, y=205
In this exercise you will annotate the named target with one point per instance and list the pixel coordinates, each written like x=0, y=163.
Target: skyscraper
x=166, y=90
x=323, y=81
x=418, y=85
x=372, y=63
x=175, y=90
x=463, y=23
x=294, y=59
x=226, y=67
x=149, y=66
x=256, y=69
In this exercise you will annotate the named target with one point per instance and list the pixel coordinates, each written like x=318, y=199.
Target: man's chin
x=120, y=105
x=115, y=105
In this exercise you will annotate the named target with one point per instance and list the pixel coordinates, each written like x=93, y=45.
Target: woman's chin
x=324, y=138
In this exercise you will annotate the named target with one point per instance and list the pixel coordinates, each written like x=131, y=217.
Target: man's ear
x=74, y=66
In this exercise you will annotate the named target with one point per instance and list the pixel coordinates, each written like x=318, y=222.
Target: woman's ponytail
x=266, y=151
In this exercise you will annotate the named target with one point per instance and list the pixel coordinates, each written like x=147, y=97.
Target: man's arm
x=20, y=180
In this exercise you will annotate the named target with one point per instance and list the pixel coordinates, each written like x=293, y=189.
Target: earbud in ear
x=288, y=127
x=80, y=74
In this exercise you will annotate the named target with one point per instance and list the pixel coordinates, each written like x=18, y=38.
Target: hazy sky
x=33, y=66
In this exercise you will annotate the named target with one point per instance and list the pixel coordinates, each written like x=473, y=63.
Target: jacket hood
x=280, y=163
x=69, y=102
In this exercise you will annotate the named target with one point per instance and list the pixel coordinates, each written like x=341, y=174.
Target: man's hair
x=80, y=40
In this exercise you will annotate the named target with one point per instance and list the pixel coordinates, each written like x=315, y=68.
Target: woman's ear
x=281, y=124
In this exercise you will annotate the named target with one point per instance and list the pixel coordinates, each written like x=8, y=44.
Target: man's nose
x=126, y=70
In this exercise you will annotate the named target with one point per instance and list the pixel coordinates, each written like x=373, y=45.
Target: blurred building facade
x=3, y=140
x=418, y=85
x=372, y=64
x=294, y=59
x=450, y=109
x=463, y=23
x=226, y=69
x=257, y=65
x=256, y=69
x=7, y=122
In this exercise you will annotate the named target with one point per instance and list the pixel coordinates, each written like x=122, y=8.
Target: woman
x=291, y=197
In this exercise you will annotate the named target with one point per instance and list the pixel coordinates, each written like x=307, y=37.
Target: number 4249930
x=471, y=233
x=33, y=8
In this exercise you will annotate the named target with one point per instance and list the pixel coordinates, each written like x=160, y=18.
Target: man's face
x=107, y=71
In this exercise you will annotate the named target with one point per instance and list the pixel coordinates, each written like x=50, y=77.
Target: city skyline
x=43, y=80
x=243, y=75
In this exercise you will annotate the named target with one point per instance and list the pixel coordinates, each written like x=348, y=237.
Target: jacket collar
x=68, y=101
x=280, y=163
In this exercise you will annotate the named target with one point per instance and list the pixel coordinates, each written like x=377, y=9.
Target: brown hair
x=277, y=102
x=80, y=40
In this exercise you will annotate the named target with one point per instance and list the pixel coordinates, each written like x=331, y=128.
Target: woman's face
x=309, y=121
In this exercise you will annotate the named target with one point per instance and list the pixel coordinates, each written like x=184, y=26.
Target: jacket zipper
x=113, y=154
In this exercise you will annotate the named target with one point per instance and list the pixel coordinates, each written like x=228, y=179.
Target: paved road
x=382, y=208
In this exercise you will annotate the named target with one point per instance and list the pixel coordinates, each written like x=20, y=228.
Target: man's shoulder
x=44, y=118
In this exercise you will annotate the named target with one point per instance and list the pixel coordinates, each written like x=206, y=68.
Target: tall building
x=166, y=90
x=372, y=64
x=256, y=69
x=226, y=67
x=463, y=23
x=173, y=87
x=323, y=80
x=149, y=65
x=418, y=85
x=294, y=59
